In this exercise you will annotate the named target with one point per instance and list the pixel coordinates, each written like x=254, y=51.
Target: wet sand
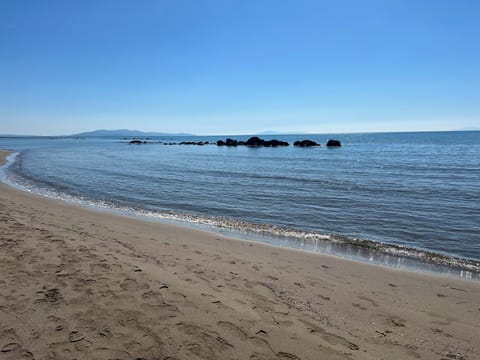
x=83, y=284
x=3, y=156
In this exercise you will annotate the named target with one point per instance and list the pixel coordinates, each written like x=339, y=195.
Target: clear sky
x=218, y=67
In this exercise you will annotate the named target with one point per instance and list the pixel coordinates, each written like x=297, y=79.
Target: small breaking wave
x=390, y=255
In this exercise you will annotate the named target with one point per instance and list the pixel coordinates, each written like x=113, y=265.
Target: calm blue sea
x=411, y=190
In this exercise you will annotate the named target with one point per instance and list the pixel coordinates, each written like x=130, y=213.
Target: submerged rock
x=200, y=143
x=275, y=143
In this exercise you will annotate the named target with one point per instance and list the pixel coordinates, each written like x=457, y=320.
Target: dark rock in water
x=228, y=142
x=305, y=143
x=191, y=143
x=332, y=143
x=231, y=142
x=255, y=141
x=137, y=142
x=275, y=143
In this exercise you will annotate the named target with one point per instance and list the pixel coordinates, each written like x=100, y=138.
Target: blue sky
x=218, y=67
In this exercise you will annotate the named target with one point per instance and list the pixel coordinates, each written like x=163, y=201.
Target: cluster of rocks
x=253, y=141
x=305, y=143
x=200, y=143
x=258, y=142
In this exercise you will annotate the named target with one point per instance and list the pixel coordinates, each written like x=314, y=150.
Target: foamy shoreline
x=79, y=283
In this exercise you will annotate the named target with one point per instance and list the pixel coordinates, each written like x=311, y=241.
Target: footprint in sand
x=106, y=353
x=233, y=329
x=52, y=296
x=330, y=338
x=396, y=322
x=223, y=342
x=285, y=355
x=221, y=306
x=338, y=340
x=359, y=306
x=10, y=347
x=260, y=343
x=364, y=298
x=210, y=341
x=132, y=284
x=75, y=336
x=153, y=297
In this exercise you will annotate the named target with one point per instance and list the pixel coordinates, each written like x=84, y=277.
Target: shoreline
x=3, y=156
x=80, y=283
x=351, y=249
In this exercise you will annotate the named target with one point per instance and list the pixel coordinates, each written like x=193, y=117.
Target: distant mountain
x=126, y=133
x=269, y=133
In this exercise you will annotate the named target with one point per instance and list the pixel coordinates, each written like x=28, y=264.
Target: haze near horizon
x=232, y=67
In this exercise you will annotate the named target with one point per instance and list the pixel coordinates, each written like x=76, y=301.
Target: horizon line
x=237, y=134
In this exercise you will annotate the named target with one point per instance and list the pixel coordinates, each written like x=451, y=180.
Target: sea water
x=395, y=198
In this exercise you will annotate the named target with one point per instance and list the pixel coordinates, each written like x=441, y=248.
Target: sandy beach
x=83, y=284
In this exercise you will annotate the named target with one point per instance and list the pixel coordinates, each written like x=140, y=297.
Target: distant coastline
x=142, y=134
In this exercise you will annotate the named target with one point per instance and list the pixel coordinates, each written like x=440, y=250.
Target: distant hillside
x=126, y=133
x=269, y=133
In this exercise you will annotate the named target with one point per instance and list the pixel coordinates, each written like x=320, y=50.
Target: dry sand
x=83, y=284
